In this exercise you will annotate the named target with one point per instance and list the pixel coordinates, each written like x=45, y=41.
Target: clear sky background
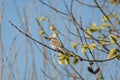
x=13, y=41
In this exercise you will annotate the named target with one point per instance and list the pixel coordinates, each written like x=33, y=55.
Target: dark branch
x=30, y=36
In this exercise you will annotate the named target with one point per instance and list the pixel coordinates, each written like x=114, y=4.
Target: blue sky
x=22, y=44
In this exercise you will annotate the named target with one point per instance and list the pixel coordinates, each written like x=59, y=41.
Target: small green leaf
x=112, y=53
x=76, y=60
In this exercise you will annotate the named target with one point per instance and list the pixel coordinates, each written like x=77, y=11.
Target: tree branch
x=72, y=53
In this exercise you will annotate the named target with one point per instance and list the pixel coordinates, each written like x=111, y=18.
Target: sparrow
x=56, y=44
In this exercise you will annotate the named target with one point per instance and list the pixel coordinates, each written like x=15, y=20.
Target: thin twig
x=77, y=72
x=112, y=27
x=53, y=8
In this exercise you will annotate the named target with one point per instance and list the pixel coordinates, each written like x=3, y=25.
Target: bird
x=56, y=44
